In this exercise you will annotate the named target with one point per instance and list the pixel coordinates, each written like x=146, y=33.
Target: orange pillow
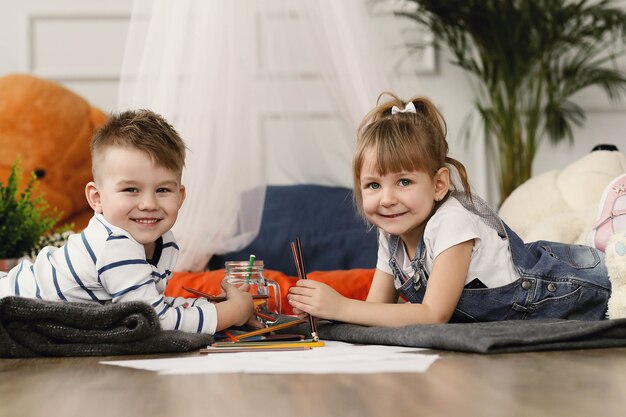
x=351, y=283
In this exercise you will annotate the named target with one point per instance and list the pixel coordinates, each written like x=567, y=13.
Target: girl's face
x=400, y=203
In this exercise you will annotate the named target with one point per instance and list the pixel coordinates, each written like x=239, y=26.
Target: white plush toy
x=561, y=205
x=616, y=266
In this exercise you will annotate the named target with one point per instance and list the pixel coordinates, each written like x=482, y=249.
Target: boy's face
x=133, y=193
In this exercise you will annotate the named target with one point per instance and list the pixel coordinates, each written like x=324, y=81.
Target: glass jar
x=239, y=273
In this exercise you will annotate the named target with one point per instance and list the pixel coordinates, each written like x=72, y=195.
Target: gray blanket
x=31, y=327
x=492, y=337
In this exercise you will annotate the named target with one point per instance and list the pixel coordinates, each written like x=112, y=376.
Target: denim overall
x=556, y=280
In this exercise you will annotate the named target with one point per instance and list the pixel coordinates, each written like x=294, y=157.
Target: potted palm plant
x=527, y=59
x=26, y=220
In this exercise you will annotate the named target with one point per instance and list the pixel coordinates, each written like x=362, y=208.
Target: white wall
x=80, y=43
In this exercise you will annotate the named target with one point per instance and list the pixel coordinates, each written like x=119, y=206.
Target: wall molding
x=70, y=73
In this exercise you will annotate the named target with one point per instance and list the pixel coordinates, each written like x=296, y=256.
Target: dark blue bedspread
x=333, y=236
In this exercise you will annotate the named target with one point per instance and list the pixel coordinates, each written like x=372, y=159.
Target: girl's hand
x=315, y=298
x=299, y=313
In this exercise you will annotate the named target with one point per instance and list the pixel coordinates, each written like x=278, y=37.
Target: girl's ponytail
x=460, y=168
x=434, y=118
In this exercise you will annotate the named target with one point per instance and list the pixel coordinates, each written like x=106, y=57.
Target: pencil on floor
x=258, y=349
x=298, y=257
x=230, y=336
x=269, y=344
x=269, y=329
x=280, y=337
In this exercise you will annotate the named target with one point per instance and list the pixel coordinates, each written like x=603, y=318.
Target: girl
x=440, y=247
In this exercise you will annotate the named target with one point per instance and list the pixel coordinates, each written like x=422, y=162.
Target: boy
x=127, y=252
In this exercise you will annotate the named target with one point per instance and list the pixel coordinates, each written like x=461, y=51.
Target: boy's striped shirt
x=105, y=264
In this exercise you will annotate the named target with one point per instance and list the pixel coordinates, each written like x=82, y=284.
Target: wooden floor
x=564, y=383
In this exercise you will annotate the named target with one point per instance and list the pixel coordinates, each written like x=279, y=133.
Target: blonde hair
x=403, y=142
x=145, y=131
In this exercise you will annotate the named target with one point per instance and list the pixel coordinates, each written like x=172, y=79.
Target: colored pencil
x=250, y=265
x=298, y=257
x=218, y=298
x=264, y=316
x=276, y=337
x=257, y=349
x=251, y=345
x=230, y=336
x=270, y=329
x=284, y=337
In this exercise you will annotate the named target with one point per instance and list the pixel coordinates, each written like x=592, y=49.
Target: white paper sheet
x=335, y=357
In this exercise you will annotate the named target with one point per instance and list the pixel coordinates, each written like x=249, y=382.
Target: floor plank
x=560, y=383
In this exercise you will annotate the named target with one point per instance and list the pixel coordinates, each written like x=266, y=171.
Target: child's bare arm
x=447, y=280
x=382, y=289
x=444, y=288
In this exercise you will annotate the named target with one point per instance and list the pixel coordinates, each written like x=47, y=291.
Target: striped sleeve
x=126, y=275
x=195, y=313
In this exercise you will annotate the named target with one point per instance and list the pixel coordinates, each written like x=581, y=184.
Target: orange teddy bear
x=49, y=127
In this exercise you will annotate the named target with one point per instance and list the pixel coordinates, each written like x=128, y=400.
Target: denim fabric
x=558, y=280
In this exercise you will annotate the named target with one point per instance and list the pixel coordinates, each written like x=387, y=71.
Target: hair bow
x=409, y=108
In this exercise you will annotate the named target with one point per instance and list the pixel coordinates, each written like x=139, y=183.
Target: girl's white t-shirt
x=452, y=224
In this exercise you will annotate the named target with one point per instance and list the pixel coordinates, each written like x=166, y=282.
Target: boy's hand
x=230, y=287
x=315, y=298
x=239, y=302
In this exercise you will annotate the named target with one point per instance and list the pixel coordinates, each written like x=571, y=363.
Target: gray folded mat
x=31, y=327
x=489, y=337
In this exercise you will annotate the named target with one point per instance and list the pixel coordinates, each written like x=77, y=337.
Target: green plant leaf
x=25, y=217
x=527, y=59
